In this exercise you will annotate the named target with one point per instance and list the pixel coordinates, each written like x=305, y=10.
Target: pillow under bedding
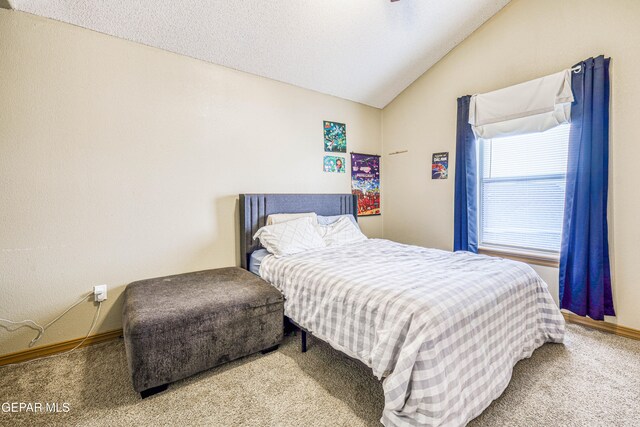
x=341, y=232
x=290, y=237
x=284, y=217
x=328, y=220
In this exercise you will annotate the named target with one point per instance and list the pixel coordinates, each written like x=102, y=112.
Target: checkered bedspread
x=443, y=329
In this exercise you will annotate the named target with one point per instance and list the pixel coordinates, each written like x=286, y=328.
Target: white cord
x=36, y=339
x=36, y=325
x=40, y=328
x=93, y=324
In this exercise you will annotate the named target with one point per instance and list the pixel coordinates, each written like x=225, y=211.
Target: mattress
x=256, y=259
x=442, y=329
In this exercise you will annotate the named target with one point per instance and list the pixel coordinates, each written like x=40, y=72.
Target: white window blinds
x=522, y=183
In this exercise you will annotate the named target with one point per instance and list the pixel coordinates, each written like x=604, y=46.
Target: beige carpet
x=592, y=380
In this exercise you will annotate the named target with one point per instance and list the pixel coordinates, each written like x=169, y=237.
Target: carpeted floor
x=592, y=380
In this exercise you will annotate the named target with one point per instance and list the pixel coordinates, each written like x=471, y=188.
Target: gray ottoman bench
x=180, y=325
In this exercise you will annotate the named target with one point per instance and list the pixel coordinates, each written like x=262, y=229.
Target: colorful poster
x=334, y=164
x=440, y=166
x=335, y=137
x=365, y=182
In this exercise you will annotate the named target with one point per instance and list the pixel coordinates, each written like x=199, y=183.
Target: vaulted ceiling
x=366, y=51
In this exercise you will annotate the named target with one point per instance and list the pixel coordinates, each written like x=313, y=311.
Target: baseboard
x=51, y=349
x=612, y=328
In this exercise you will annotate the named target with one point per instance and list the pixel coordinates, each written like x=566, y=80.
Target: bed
x=442, y=330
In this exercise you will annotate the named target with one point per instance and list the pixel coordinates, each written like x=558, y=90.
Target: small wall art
x=335, y=137
x=334, y=164
x=440, y=166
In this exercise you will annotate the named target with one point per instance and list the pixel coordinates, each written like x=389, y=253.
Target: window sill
x=522, y=256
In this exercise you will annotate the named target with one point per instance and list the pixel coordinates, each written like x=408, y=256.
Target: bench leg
x=270, y=349
x=303, y=343
x=153, y=390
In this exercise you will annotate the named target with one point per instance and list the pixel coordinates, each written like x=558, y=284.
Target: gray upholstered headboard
x=255, y=208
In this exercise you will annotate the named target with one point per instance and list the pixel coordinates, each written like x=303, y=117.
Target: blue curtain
x=465, y=233
x=585, y=277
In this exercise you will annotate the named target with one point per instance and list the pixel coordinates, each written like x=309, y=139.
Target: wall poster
x=440, y=166
x=335, y=137
x=334, y=164
x=365, y=182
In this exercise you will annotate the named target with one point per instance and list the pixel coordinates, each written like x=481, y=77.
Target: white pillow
x=327, y=220
x=278, y=218
x=291, y=237
x=340, y=233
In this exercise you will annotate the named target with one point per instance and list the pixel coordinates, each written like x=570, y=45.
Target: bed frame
x=255, y=208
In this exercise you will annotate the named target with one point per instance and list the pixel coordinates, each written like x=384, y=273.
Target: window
x=521, y=184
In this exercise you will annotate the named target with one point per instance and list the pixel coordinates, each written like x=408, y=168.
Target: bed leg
x=303, y=342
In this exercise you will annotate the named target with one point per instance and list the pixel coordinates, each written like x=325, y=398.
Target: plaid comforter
x=443, y=329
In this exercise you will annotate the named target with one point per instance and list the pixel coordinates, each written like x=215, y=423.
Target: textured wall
x=121, y=162
x=527, y=39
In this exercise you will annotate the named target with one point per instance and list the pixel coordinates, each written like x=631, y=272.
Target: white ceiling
x=362, y=50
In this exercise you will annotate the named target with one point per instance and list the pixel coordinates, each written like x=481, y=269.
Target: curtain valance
x=533, y=106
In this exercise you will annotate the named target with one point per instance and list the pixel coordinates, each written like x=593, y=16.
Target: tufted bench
x=180, y=325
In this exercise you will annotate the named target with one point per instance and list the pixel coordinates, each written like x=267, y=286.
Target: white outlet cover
x=100, y=293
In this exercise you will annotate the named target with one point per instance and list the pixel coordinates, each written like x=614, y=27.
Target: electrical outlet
x=100, y=293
